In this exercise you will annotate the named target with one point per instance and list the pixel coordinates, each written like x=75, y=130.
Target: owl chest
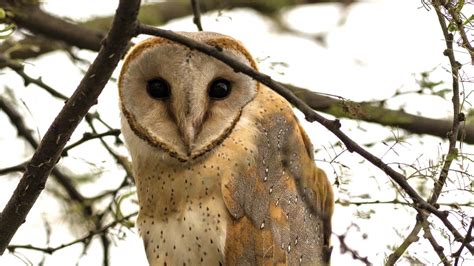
x=183, y=218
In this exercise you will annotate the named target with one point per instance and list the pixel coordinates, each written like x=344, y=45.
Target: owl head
x=181, y=101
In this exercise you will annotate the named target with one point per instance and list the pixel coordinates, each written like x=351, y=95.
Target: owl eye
x=158, y=88
x=219, y=89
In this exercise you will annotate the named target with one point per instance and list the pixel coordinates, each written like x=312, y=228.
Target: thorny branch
x=436, y=247
x=453, y=136
x=49, y=151
x=456, y=18
x=469, y=238
x=457, y=116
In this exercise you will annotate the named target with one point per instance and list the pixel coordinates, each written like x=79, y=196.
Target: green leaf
x=8, y=27
x=459, y=6
x=442, y=93
x=7, y=31
x=468, y=20
x=452, y=27
x=427, y=84
x=3, y=14
x=118, y=211
x=453, y=155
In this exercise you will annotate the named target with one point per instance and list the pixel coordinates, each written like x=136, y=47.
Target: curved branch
x=331, y=125
x=49, y=151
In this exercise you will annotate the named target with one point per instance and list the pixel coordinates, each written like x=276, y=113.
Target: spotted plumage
x=224, y=172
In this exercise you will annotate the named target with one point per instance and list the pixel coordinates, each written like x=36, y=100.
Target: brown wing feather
x=281, y=203
x=318, y=182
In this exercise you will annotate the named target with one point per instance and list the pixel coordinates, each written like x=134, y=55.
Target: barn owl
x=224, y=171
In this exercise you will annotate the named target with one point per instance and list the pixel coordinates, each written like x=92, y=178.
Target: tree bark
x=46, y=156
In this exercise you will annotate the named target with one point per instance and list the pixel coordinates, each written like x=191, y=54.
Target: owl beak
x=189, y=120
x=189, y=132
x=188, y=137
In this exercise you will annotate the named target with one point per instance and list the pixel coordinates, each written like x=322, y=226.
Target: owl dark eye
x=219, y=89
x=158, y=89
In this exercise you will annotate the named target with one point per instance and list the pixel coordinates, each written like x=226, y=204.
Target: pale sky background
x=382, y=47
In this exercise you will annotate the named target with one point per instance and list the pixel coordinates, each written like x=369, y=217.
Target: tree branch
x=410, y=239
x=27, y=80
x=27, y=134
x=19, y=69
x=197, y=13
x=436, y=247
x=456, y=255
x=337, y=107
x=453, y=136
x=345, y=248
x=49, y=151
x=310, y=115
x=457, y=117
x=90, y=136
x=382, y=116
x=11, y=169
x=154, y=14
x=399, y=202
x=37, y=21
x=51, y=250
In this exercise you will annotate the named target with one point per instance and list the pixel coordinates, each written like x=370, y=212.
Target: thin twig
x=197, y=14
x=51, y=250
x=399, y=202
x=467, y=239
x=453, y=135
x=436, y=247
x=19, y=69
x=345, y=248
x=400, y=250
x=90, y=136
x=49, y=151
x=64, y=180
x=452, y=151
x=460, y=27
x=121, y=160
x=12, y=169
